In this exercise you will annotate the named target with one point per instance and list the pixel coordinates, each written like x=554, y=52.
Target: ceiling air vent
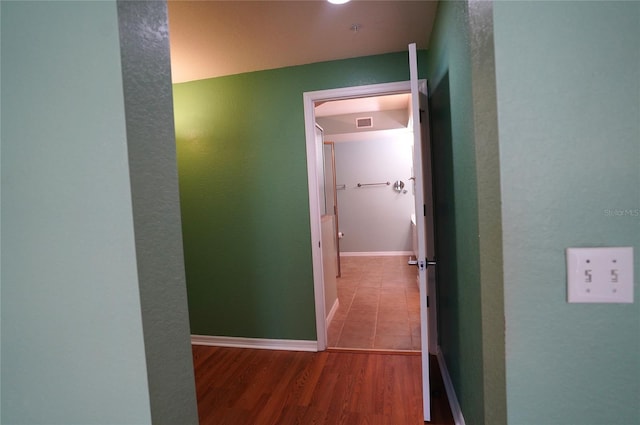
x=364, y=122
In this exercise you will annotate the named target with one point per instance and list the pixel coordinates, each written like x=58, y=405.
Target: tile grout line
x=353, y=296
x=375, y=327
x=372, y=268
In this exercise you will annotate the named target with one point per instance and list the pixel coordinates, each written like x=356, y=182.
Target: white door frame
x=309, y=99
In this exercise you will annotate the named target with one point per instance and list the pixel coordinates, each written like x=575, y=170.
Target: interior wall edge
x=483, y=77
x=146, y=72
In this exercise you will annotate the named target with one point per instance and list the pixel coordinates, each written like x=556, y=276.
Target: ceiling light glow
x=337, y=1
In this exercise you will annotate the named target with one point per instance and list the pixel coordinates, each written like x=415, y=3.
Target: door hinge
x=421, y=113
x=427, y=301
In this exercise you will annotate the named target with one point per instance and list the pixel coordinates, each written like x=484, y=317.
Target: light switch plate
x=600, y=275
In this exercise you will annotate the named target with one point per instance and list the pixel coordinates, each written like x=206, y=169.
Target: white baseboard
x=335, y=307
x=257, y=343
x=451, y=393
x=376, y=254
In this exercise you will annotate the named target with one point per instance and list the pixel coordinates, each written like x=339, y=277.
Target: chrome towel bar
x=373, y=184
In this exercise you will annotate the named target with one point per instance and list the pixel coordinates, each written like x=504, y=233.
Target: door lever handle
x=422, y=264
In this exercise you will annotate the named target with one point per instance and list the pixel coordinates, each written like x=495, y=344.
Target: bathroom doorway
x=373, y=303
x=323, y=305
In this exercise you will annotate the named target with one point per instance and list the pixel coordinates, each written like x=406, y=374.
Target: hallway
x=379, y=305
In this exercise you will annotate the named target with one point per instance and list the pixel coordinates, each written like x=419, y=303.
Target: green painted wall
x=459, y=290
x=244, y=196
x=72, y=336
x=569, y=111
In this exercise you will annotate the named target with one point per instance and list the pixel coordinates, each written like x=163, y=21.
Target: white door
x=424, y=220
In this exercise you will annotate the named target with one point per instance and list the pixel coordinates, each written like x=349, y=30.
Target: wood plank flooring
x=237, y=386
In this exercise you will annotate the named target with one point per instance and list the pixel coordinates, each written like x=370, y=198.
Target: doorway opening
x=367, y=202
x=317, y=203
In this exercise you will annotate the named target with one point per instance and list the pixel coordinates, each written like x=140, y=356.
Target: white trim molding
x=451, y=393
x=332, y=313
x=256, y=343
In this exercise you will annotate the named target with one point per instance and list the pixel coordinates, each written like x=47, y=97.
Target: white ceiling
x=212, y=38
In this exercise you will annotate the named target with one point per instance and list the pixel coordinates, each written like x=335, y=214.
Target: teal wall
x=568, y=104
x=94, y=313
x=0, y=216
x=244, y=194
x=569, y=111
x=72, y=337
x=459, y=286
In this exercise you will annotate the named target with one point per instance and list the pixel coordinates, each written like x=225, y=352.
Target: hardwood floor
x=239, y=386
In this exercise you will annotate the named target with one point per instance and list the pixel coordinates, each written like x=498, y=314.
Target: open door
x=424, y=221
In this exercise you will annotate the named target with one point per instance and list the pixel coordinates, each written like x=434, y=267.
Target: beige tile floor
x=379, y=305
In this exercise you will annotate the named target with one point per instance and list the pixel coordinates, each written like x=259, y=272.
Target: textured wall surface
x=244, y=194
x=72, y=338
x=485, y=119
x=568, y=78
x=459, y=292
x=144, y=44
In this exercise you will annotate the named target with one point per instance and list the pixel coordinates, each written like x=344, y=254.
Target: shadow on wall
x=447, y=289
